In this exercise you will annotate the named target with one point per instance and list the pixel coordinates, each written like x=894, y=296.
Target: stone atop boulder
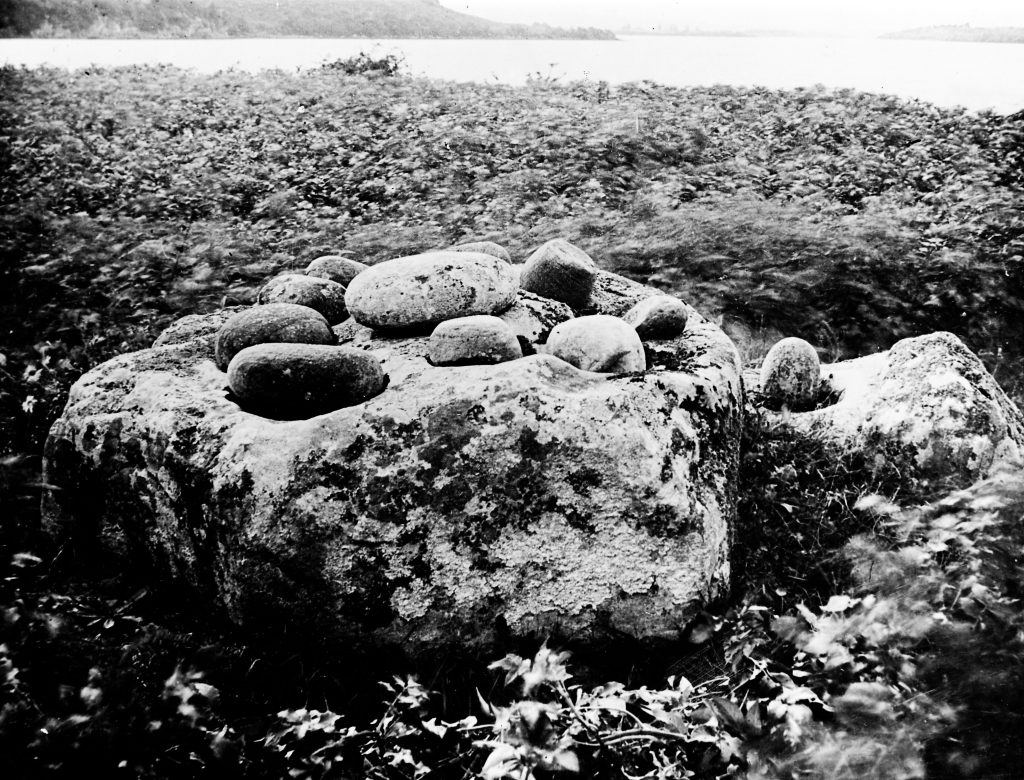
x=271, y=323
x=532, y=317
x=927, y=404
x=325, y=296
x=292, y=381
x=658, y=317
x=470, y=504
x=482, y=338
x=598, y=343
x=560, y=271
x=791, y=374
x=487, y=247
x=423, y=290
x=337, y=268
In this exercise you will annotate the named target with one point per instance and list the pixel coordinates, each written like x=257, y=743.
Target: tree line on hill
x=962, y=32
x=260, y=18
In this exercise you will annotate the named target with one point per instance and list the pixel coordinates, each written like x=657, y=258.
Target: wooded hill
x=962, y=32
x=260, y=18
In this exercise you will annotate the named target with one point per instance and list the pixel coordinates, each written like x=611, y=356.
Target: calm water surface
x=974, y=75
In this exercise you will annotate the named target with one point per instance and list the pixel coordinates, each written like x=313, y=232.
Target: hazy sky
x=826, y=16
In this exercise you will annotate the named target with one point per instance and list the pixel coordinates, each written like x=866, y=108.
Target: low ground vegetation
x=867, y=637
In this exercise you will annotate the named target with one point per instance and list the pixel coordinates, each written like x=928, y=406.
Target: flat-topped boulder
x=461, y=504
x=927, y=406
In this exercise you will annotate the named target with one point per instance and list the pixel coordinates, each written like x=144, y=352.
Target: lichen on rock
x=461, y=504
x=928, y=398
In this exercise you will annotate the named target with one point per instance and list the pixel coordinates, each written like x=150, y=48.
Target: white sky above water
x=860, y=17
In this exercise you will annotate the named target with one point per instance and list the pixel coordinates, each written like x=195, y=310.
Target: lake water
x=974, y=75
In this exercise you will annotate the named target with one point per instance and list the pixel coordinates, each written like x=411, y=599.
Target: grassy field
x=131, y=197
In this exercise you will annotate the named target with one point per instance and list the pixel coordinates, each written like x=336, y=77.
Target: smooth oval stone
x=560, y=271
x=791, y=373
x=287, y=381
x=271, y=323
x=487, y=247
x=658, y=317
x=598, y=343
x=325, y=296
x=337, y=268
x=422, y=290
x=482, y=338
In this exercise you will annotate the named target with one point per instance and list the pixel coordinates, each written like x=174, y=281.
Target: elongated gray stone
x=271, y=323
x=482, y=338
x=423, y=290
x=288, y=381
x=325, y=296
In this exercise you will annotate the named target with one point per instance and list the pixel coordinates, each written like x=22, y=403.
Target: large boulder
x=462, y=504
x=927, y=407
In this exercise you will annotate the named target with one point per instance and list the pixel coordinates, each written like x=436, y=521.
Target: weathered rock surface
x=791, y=374
x=481, y=338
x=286, y=381
x=487, y=247
x=423, y=290
x=325, y=296
x=532, y=317
x=659, y=317
x=337, y=268
x=926, y=405
x=271, y=323
x=462, y=504
x=598, y=343
x=560, y=271
x=197, y=326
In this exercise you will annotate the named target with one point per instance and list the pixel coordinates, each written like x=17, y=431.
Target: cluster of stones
x=282, y=357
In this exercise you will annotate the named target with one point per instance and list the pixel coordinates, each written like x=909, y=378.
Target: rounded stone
x=482, y=338
x=271, y=323
x=422, y=290
x=325, y=296
x=487, y=247
x=287, y=381
x=600, y=343
x=791, y=373
x=560, y=271
x=337, y=268
x=658, y=317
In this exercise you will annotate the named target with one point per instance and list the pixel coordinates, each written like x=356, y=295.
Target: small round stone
x=337, y=268
x=598, y=343
x=487, y=247
x=289, y=381
x=478, y=339
x=791, y=373
x=560, y=271
x=658, y=317
x=271, y=323
x=325, y=296
x=423, y=290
